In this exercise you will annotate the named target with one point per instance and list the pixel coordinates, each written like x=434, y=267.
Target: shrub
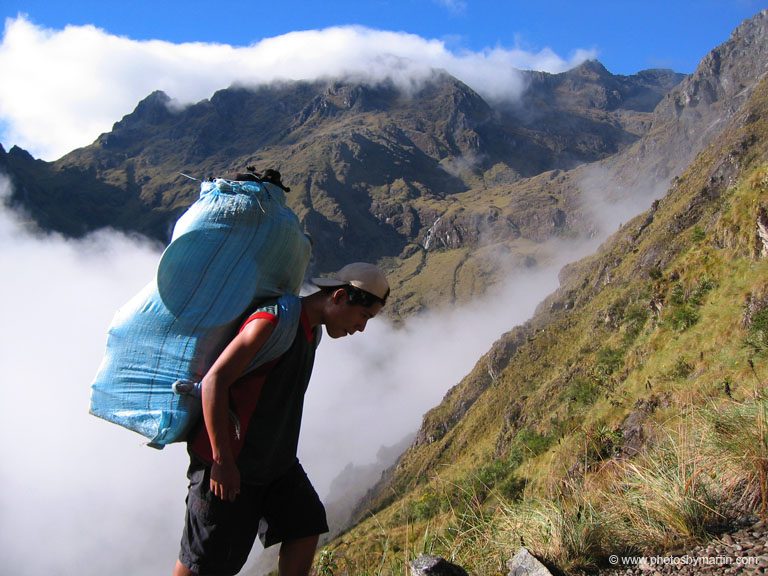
x=683, y=317
x=702, y=288
x=677, y=295
x=681, y=369
x=529, y=443
x=738, y=450
x=426, y=506
x=635, y=318
x=602, y=442
x=757, y=338
x=326, y=563
x=684, y=312
x=582, y=391
x=609, y=360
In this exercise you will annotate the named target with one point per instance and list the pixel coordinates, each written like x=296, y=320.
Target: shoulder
x=269, y=310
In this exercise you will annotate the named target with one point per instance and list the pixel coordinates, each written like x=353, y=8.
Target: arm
x=225, y=477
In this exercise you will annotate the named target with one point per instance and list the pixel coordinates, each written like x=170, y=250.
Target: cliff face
x=694, y=112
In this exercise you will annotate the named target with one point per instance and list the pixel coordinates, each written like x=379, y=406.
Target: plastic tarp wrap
x=237, y=245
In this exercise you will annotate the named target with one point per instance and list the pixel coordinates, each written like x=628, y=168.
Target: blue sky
x=629, y=35
x=205, y=42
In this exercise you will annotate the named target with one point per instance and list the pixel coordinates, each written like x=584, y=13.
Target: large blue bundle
x=237, y=245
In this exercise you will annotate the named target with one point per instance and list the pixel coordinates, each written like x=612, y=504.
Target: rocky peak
x=728, y=73
x=591, y=86
x=150, y=111
x=591, y=69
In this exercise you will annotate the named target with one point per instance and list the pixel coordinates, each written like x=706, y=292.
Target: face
x=343, y=319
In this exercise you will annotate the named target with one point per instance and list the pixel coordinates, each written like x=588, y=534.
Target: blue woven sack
x=237, y=245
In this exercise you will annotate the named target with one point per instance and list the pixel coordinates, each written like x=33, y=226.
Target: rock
x=431, y=565
x=525, y=564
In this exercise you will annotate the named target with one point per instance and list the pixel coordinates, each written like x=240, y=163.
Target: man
x=245, y=478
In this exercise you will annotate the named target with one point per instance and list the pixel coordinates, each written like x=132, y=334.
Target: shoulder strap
x=287, y=308
x=288, y=312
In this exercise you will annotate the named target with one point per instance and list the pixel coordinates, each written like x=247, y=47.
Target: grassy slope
x=566, y=401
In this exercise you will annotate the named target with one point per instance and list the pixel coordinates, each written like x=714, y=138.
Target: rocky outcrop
x=431, y=565
x=526, y=564
x=521, y=564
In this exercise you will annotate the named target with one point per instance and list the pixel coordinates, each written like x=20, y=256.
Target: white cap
x=360, y=275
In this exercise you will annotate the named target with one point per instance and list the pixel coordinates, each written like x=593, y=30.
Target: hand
x=225, y=480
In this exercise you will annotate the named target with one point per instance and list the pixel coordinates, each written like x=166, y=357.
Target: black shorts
x=219, y=535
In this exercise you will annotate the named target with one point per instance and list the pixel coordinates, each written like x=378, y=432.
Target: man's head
x=356, y=293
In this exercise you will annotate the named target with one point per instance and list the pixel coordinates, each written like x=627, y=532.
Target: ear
x=339, y=296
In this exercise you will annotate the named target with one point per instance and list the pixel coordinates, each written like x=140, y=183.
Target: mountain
x=375, y=173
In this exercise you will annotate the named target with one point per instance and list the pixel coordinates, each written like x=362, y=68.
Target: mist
x=80, y=496
x=93, y=78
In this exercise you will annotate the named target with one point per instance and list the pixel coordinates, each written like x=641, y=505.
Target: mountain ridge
x=324, y=136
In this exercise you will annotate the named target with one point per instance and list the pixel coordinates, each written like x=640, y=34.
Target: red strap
x=260, y=315
x=308, y=332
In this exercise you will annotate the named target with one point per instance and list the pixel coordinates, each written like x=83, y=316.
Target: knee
x=296, y=556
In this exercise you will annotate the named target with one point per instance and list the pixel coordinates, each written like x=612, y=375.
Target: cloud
x=609, y=202
x=80, y=496
x=453, y=6
x=71, y=85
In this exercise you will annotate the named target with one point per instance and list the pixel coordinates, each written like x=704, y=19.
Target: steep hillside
x=653, y=348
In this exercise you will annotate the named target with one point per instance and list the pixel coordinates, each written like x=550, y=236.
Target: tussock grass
x=570, y=533
x=737, y=451
x=662, y=499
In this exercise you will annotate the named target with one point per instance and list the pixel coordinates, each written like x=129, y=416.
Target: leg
x=296, y=556
x=218, y=535
x=181, y=570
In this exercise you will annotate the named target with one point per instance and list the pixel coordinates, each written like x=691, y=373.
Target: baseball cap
x=360, y=275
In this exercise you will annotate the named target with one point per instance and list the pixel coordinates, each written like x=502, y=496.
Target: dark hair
x=357, y=296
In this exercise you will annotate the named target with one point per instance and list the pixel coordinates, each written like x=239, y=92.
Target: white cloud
x=80, y=496
x=62, y=88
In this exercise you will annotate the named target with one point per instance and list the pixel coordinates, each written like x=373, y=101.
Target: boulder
x=431, y=565
x=525, y=564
